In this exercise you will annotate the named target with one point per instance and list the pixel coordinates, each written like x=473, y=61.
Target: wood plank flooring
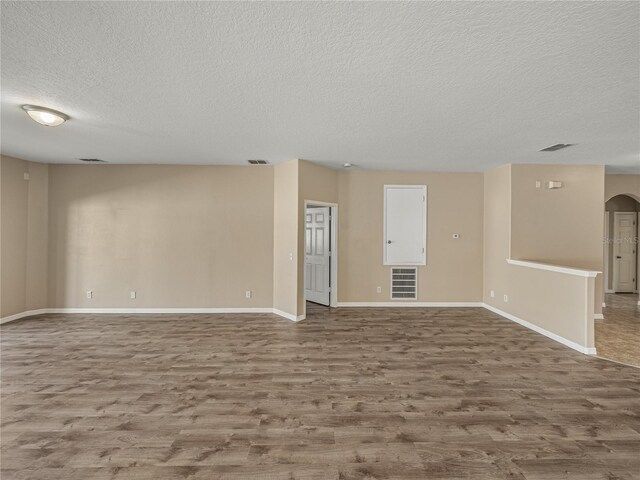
x=618, y=335
x=346, y=394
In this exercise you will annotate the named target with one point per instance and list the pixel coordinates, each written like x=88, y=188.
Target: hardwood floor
x=347, y=394
x=618, y=335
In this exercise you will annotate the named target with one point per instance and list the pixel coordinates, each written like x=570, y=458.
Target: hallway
x=618, y=335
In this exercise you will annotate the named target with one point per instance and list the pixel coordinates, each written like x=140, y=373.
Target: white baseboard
x=410, y=304
x=598, y=316
x=294, y=318
x=31, y=313
x=18, y=316
x=542, y=331
x=161, y=310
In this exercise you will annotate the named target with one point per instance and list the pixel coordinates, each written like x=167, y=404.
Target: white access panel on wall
x=405, y=225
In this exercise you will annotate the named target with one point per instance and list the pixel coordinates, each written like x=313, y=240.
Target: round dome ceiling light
x=45, y=116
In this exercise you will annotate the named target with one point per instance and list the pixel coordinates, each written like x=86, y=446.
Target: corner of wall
x=24, y=226
x=285, y=237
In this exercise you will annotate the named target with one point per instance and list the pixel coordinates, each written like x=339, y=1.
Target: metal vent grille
x=258, y=162
x=92, y=160
x=404, y=283
x=557, y=146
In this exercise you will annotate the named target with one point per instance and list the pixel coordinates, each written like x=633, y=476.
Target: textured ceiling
x=461, y=86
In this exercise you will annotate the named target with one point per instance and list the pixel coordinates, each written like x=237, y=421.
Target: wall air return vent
x=404, y=283
x=92, y=160
x=258, y=162
x=557, y=146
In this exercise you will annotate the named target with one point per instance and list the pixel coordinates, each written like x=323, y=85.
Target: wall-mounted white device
x=554, y=184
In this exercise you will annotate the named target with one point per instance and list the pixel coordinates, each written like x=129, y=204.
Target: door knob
x=618, y=256
x=389, y=242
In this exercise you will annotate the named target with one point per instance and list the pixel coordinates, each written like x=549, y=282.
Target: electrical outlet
x=506, y=298
x=133, y=294
x=247, y=294
x=538, y=184
x=291, y=257
x=89, y=294
x=379, y=290
x=26, y=176
x=493, y=294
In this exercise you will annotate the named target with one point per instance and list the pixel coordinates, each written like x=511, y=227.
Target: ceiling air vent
x=404, y=283
x=258, y=162
x=557, y=146
x=92, y=160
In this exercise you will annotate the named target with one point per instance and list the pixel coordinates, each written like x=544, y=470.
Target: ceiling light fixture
x=45, y=116
x=348, y=165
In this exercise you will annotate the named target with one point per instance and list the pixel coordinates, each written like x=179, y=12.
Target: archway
x=617, y=335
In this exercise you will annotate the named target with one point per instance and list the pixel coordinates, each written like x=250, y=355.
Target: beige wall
x=497, y=234
x=522, y=223
x=454, y=267
x=37, y=236
x=285, y=237
x=622, y=184
x=181, y=236
x=557, y=302
x=188, y=236
x=23, y=225
x=561, y=226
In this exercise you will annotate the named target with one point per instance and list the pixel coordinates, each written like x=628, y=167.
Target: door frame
x=607, y=259
x=615, y=264
x=333, y=260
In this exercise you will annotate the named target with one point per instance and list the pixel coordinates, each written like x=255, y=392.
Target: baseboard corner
x=288, y=316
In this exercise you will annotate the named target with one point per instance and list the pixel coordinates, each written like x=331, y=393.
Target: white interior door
x=405, y=224
x=317, y=255
x=624, y=251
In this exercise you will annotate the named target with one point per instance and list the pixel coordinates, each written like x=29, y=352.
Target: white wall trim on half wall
x=42, y=311
x=553, y=268
x=542, y=331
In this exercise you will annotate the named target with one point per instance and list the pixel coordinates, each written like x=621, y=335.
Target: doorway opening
x=616, y=336
x=621, y=252
x=320, y=255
